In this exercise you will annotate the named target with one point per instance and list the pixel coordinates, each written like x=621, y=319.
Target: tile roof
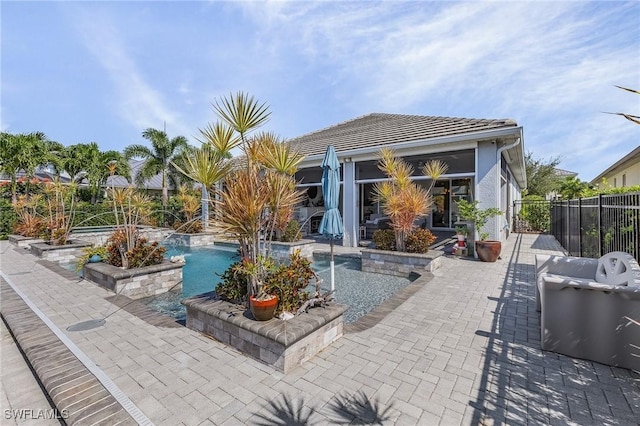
x=383, y=129
x=154, y=182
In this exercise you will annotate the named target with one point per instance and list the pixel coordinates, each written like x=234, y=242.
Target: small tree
x=470, y=211
x=401, y=198
x=542, y=177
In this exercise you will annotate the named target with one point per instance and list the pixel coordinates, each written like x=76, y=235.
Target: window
x=624, y=179
x=615, y=181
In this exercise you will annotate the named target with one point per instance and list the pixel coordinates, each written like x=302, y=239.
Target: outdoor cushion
x=583, y=317
x=618, y=268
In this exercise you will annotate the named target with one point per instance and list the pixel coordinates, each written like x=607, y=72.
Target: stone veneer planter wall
x=399, y=263
x=99, y=237
x=281, y=250
x=23, y=242
x=282, y=344
x=135, y=283
x=191, y=240
x=64, y=253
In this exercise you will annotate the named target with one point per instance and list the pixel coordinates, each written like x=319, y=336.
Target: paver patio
x=463, y=349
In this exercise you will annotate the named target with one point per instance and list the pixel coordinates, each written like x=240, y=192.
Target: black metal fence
x=594, y=226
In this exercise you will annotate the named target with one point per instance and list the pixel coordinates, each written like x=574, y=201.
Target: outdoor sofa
x=586, y=307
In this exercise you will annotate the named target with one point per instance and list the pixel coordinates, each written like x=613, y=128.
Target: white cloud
x=549, y=65
x=138, y=102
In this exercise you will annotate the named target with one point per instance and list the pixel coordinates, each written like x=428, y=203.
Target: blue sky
x=105, y=71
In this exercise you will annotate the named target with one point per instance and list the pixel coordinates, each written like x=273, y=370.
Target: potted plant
x=259, y=193
x=461, y=235
x=487, y=250
x=91, y=255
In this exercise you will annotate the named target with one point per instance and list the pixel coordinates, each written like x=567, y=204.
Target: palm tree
x=401, y=198
x=76, y=159
x=249, y=205
x=158, y=159
x=25, y=152
x=205, y=166
x=105, y=164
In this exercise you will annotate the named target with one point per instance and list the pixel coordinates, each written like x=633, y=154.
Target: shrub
x=384, y=239
x=291, y=232
x=287, y=281
x=537, y=213
x=30, y=225
x=8, y=218
x=419, y=241
x=193, y=227
x=141, y=254
x=233, y=284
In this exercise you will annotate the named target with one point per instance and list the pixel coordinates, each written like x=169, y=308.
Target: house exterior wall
x=487, y=175
x=350, y=205
x=631, y=173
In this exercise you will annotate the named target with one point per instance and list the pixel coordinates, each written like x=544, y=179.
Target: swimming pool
x=361, y=291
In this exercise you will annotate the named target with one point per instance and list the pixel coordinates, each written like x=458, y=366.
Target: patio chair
x=587, y=305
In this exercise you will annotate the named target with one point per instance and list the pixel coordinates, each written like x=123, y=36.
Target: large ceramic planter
x=263, y=310
x=488, y=251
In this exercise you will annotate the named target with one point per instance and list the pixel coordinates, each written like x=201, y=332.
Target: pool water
x=361, y=291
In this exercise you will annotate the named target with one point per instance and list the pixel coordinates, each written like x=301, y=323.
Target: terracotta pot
x=263, y=310
x=488, y=251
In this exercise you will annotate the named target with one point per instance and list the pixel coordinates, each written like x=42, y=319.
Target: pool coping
x=80, y=390
x=368, y=320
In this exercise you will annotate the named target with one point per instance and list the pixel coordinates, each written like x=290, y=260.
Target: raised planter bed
x=282, y=344
x=98, y=235
x=64, y=253
x=281, y=251
x=191, y=240
x=24, y=242
x=399, y=263
x=135, y=283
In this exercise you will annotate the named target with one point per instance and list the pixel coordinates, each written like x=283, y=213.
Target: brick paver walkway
x=464, y=349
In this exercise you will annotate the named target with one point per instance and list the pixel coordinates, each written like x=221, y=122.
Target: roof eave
x=311, y=160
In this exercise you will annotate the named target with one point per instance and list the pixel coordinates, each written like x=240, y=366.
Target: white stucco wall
x=487, y=173
x=350, y=203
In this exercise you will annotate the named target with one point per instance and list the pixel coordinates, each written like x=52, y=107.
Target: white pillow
x=617, y=268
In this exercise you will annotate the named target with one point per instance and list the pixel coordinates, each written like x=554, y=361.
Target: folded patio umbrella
x=331, y=224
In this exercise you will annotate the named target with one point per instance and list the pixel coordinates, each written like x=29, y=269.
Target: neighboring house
x=485, y=159
x=562, y=174
x=153, y=186
x=624, y=172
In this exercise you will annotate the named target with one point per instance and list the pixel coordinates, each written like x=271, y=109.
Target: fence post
x=600, y=236
x=571, y=253
x=580, y=224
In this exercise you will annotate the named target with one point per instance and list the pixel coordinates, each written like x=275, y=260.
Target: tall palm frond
x=242, y=112
x=630, y=117
x=220, y=137
x=277, y=155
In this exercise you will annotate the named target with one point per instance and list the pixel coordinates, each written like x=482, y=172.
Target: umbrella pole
x=333, y=286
